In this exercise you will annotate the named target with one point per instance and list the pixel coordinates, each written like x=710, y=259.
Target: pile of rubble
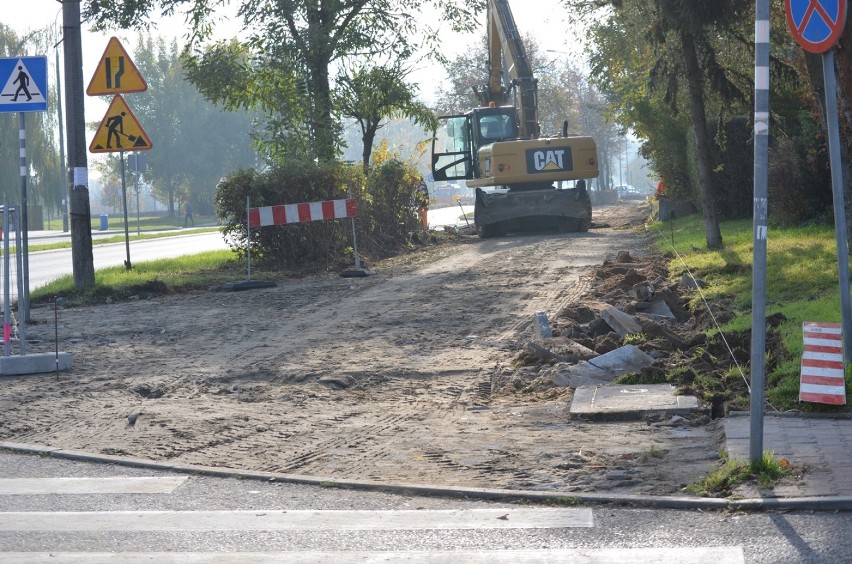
x=636, y=327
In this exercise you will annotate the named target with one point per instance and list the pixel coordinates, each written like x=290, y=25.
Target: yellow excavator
x=498, y=149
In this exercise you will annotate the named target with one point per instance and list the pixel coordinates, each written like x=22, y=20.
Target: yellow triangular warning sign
x=116, y=73
x=119, y=130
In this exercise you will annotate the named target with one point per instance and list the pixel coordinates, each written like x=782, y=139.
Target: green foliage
x=635, y=339
x=766, y=472
x=801, y=284
x=291, y=45
x=318, y=243
x=370, y=95
x=194, y=142
x=386, y=212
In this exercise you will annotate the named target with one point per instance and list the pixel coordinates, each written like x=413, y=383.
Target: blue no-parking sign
x=816, y=25
x=24, y=84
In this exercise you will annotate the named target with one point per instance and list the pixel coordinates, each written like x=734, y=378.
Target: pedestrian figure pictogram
x=119, y=130
x=23, y=81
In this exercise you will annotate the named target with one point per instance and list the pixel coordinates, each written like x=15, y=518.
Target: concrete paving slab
x=603, y=369
x=608, y=403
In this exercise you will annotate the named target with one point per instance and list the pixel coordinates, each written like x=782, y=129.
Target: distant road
x=49, y=265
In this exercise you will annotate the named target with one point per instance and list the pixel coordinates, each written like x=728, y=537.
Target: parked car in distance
x=628, y=192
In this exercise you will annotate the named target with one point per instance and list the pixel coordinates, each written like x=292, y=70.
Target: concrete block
x=662, y=309
x=542, y=327
x=41, y=363
x=604, y=368
x=629, y=402
x=622, y=323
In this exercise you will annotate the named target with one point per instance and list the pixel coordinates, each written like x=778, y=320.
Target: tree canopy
x=288, y=46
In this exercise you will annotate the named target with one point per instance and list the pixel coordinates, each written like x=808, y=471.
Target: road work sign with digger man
x=119, y=131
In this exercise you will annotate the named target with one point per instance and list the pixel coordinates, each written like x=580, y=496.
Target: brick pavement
x=820, y=445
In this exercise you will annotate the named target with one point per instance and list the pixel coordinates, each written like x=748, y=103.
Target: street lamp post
x=63, y=176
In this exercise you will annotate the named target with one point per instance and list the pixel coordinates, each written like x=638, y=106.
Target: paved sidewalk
x=822, y=445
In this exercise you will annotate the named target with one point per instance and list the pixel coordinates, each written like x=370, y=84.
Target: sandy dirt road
x=389, y=378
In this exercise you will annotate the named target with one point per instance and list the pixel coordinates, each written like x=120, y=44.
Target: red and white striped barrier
x=299, y=213
x=822, y=379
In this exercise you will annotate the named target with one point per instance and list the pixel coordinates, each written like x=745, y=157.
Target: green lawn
x=801, y=283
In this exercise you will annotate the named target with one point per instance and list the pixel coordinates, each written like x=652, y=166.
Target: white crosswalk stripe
x=700, y=555
x=108, y=485
x=277, y=520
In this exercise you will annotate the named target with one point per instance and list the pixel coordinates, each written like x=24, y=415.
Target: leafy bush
x=386, y=212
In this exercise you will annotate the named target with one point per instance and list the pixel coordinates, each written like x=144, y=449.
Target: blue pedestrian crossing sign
x=24, y=84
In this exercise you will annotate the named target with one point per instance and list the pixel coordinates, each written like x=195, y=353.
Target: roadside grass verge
x=182, y=274
x=801, y=283
x=766, y=472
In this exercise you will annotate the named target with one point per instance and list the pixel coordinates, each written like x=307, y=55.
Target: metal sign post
x=127, y=263
x=248, y=237
x=761, y=174
x=23, y=88
x=816, y=25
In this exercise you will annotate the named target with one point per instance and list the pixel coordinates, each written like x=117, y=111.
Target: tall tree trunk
x=323, y=123
x=368, y=139
x=703, y=155
x=318, y=59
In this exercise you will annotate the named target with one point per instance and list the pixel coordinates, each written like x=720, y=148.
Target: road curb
x=822, y=503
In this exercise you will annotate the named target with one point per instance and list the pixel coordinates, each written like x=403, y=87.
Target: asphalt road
x=54, y=510
x=49, y=265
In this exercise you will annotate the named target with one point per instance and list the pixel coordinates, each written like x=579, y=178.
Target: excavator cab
x=458, y=139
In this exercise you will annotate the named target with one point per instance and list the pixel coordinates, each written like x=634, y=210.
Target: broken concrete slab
x=618, y=403
x=662, y=309
x=622, y=323
x=559, y=349
x=603, y=369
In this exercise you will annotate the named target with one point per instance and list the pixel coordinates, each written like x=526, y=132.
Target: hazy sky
x=543, y=18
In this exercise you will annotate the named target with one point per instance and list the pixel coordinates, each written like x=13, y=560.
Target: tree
x=370, y=95
x=305, y=36
x=682, y=35
x=194, y=142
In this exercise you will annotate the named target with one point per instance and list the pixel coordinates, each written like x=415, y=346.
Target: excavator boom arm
x=506, y=47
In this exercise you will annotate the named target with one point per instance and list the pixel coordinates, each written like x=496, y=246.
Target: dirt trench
x=388, y=378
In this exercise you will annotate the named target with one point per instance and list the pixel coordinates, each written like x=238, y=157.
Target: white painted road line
x=685, y=555
x=111, y=485
x=277, y=520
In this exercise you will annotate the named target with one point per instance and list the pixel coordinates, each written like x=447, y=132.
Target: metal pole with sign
x=24, y=89
x=816, y=25
x=758, y=284
x=119, y=130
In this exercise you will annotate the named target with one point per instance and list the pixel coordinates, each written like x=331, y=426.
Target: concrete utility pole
x=78, y=171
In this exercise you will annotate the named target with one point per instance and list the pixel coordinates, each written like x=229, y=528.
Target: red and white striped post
x=823, y=379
